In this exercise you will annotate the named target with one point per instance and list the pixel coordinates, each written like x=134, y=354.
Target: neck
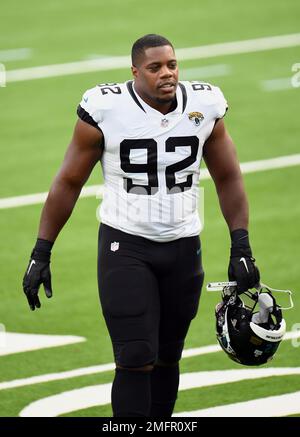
x=161, y=106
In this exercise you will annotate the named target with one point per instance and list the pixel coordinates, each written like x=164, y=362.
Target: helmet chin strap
x=277, y=290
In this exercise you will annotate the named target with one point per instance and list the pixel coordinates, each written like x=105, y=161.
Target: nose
x=165, y=71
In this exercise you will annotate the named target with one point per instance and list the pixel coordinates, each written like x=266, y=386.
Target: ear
x=134, y=71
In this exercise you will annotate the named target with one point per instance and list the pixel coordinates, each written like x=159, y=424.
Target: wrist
x=240, y=245
x=43, y=245
x=239, y=237
x=42, y=250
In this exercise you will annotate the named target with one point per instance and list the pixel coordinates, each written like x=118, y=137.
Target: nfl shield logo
x=164, y=122
x=114, y=246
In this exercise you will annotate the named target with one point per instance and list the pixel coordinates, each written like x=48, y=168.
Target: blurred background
x=52, y=52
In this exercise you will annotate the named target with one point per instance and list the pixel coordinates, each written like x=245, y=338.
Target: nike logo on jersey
x=29, y=268
x=245, y=263
x=85, y=99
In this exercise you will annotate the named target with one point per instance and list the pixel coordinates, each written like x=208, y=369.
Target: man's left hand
x=244, y=272
x=242, y=268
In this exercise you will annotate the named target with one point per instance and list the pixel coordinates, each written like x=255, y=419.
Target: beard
x=149, y=97
x=166, y=99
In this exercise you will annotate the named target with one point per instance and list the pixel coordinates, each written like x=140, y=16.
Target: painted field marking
x=16, y=342
x=2, y=76
x=204, y=350
x=271, y=406
x=284, y=83
x=93, y=369
x=15, y=54
x=96, y=395
x=184, y=54
x=199, y=73
x=97, y=190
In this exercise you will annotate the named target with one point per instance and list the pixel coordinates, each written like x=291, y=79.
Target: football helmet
x=247, y=336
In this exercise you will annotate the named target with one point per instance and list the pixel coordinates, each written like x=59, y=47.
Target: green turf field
x=36, y=122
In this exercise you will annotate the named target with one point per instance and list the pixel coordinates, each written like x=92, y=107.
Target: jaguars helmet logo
x=196, y=117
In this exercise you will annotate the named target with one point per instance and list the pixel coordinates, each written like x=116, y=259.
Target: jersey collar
x=181, y=97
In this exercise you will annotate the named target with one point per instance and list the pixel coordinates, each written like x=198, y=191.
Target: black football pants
x=149, y=294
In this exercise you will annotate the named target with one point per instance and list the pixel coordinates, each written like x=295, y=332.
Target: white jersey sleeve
x=96, y=103
x=212, y=96
x=221, y=105
x=89, y=109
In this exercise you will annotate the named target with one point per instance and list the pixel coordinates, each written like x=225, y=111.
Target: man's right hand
x=37, y=273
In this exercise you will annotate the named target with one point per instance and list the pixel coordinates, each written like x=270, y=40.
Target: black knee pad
x=170, y=353
x=135, y=354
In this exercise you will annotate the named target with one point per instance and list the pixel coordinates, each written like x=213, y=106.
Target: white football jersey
x=151, y=161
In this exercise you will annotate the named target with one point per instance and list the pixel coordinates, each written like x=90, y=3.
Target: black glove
x=38, y=272
x=241, y=265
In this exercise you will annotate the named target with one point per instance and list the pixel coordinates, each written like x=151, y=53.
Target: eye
x=154, y=68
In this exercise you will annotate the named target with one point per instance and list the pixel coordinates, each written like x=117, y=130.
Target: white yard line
x=57, y=376
x=271, y=406
x=204, y=350
x=279, y=84
x=34, y=199
x=15, y=54
x=200, y=73
x=186, y=54
x=284, y=83
x=238, y=47
x=2, y=75
x=97, y=190
x=94, y=369
x=95, y=395
x=14, y=342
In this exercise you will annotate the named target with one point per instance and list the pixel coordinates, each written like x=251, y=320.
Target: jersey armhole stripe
x=131, y=92
x=184, y=96
x=226, y=109
x=85, y=116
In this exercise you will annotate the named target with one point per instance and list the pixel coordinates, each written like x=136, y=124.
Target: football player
x=149, y=134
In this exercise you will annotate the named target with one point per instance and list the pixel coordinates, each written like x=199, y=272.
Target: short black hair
x=145, y=42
